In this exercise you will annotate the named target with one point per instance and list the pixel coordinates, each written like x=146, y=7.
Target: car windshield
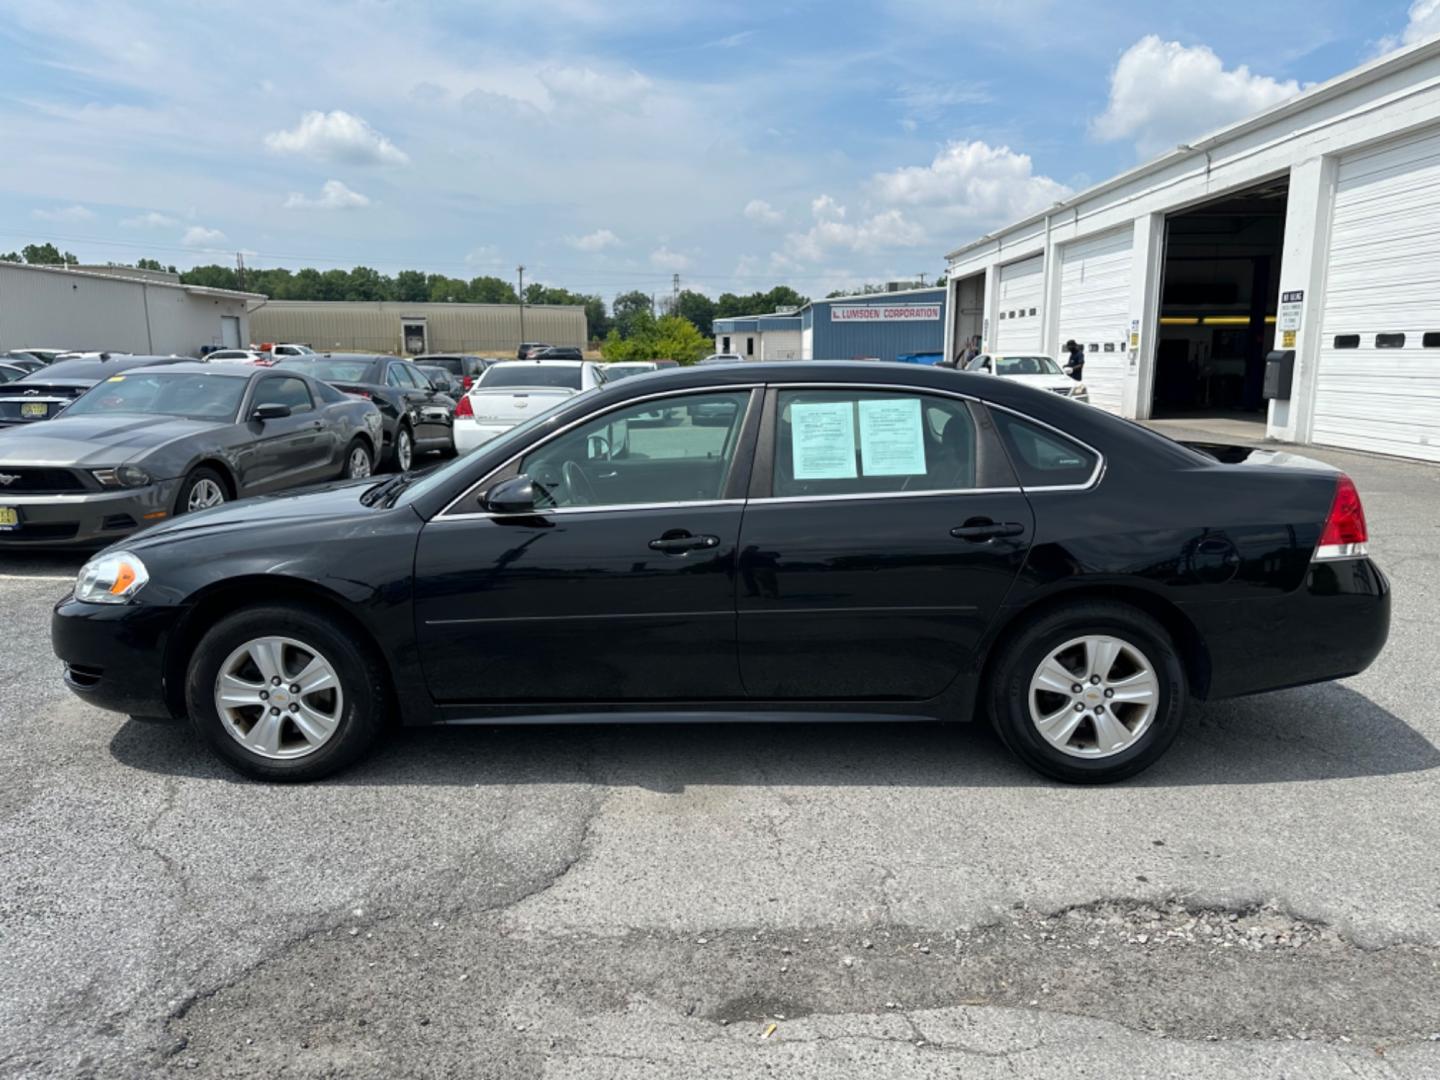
x=516, y=436
x=452, y=364
x=520, y=374
x=192, y=395
x=331, y=370
x=624, y=371
x=1026, y=365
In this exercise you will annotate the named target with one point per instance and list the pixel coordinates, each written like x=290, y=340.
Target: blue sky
x=607, y=144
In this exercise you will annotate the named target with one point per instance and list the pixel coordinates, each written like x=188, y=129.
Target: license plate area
x=34, y=410
x=9, y=519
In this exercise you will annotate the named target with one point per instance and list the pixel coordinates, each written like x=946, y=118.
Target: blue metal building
x=908, y=323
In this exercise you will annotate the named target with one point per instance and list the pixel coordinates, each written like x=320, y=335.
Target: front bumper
x=114, y=654
x=470, y=434
x=1333, y=626
x=86, y=519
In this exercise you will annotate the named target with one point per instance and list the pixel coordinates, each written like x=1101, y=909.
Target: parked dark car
x=557, y=352
x=9, y=372
x=463, y=366
x=859, y=540
x=23, y=360
x=528, y=349
x=417, y=418
x=442, y=380
x=156, y=442
x=41, y=394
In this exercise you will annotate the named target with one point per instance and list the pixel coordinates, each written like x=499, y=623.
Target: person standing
x=1075, y=361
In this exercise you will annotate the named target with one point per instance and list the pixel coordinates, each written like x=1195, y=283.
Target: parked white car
x=240, y=356
x=291, y=350
x=1030, y=369
x=515, y=390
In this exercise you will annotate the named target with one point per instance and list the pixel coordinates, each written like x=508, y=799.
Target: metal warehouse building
x=870, y=326
x=1312, y=229
x=395, y=327
x=138, y=312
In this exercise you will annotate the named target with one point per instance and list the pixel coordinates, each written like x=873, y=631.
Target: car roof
x=199, y=367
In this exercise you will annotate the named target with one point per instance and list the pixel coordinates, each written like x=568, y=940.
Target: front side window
x=625, y=458
x=284, y=391
x=1042, y=456
x=855, y=442
x=979, y=363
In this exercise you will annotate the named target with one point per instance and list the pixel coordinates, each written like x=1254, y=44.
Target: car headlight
x=1078, y=390
x=122, y=476
x=111, y=579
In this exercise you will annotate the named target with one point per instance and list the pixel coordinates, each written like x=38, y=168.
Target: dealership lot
x=648, y=900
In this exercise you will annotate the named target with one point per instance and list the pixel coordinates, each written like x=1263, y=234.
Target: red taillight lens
x=467, y=381
x=1346, y=524
x=463, y=408
x=361, y=394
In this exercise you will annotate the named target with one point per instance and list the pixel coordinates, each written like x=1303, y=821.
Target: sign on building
x=884, y=312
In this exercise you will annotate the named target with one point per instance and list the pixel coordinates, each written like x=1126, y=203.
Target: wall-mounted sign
x=884, y=312
x=1292, y=304
x=1287, y=339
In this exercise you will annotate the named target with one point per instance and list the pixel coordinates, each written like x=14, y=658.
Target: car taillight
x=463, y=407
x=361, y=394
x=467, y=381
x=1345, y=535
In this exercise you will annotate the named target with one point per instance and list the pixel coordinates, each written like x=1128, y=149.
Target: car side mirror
x=271, y=410
x=513, y=496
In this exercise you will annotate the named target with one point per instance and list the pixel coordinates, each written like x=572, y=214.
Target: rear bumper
x=91, y=519
x=114, y=654
x=1332, y=627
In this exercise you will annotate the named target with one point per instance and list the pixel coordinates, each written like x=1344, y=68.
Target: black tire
x=1008, y=698
x=348, y=470
x=360, y=673
x=401, y=460
x=195, y=479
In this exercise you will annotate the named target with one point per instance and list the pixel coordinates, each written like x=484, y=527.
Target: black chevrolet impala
x=838, y=540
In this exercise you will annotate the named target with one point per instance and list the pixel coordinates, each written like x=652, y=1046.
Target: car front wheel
x=281, y=693
x=1089, y=693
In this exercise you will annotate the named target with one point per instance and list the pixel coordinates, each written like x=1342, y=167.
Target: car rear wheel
x=404, y=455
x=281, y=693
x=358, y=462
x=1089, y=693
x=200, y=490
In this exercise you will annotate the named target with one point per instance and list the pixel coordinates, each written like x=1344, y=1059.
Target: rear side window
x=856, y=442
x=1042, y=456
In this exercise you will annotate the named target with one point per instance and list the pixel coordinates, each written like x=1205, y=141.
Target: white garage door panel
x=1017, y=323
x=1095, y=311
x=1383, y=277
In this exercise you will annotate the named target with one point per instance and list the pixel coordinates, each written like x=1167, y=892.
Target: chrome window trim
x=561, y=510
x=866, y=496
x=748, y=388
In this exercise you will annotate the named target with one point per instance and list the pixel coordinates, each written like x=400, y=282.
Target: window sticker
x=822, y=440
x=891, y=440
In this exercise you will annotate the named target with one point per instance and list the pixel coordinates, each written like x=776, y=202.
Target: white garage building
x=1313, y=227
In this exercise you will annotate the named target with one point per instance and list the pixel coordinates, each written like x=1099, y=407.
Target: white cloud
x=598, y=240
x=826, y=208
x=333, y=196
x=336, y=136
x=971, y=183
x=65, y=213
x=666, y=259
x=761, y=211
x=831, y=233
x=587, y=86
x=1424, y=22
x=1163, y=93
x=200, y=236
x=484, y=255
x=150, y=220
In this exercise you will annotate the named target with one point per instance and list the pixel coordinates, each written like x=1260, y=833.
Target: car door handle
x=982, y=531
x=678, y=542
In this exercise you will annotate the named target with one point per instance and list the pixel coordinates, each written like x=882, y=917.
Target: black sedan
x=854, y=540
x=42, y=394
x=417, y=417
x=156, y=442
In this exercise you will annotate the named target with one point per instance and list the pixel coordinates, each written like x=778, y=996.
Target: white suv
x=515, y=390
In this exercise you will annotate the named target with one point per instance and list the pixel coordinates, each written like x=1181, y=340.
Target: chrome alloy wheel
x=404, y=449
x=1094, y=696
x=205, y=494
x=279, y=698
x=358, y=467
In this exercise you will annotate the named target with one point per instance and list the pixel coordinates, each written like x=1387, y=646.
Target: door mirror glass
x=513, y=496
x=270, y=410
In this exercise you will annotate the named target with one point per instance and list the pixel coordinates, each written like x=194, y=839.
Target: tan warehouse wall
x=484, y=329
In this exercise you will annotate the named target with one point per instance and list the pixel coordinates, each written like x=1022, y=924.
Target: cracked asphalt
x=666, y=901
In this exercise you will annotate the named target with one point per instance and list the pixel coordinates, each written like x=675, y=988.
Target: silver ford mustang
x=153, y=442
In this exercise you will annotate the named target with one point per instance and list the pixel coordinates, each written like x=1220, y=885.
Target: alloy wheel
x=1094, y=696
x=358, y=466
x=404, y=449
x=205, y=494
x=279, y=698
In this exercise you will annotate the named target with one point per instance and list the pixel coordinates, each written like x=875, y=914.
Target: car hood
x=335, y=502
x=94, y=440
x=1041, y=382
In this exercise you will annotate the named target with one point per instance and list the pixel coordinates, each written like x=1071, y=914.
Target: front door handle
x=679, y=542
x=985, y=530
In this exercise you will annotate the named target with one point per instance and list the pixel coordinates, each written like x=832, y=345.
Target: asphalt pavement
x=800, y=901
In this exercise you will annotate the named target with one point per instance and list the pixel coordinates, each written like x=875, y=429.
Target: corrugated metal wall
x=62, y=309
x=885, y=340
x=376, y=327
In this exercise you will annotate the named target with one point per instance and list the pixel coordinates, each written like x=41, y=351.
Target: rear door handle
x=989, y=530
x=678, y=542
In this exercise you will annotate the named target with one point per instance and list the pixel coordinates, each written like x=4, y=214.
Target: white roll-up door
x=1017, y=323
x=1095, y=311
x=1377, y=383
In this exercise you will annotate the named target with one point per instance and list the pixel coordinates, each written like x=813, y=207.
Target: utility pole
x=521, y=271
x=240, y=269
x=675, y=293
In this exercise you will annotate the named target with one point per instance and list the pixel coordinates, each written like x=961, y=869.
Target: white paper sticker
x=822, y=440
x=892, y=442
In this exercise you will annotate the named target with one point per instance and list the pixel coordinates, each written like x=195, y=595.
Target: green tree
x=368, y=284
x=669, y=337
x=696, y=307
x=47, y=255
x=445, y=290
x=12, y=256
x=627, y=311
x=212, y=277
x=411, y=287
